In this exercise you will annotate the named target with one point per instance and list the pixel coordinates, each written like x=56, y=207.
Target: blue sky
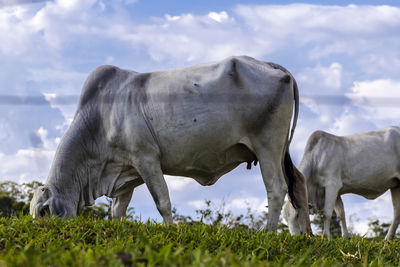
x=344, y=55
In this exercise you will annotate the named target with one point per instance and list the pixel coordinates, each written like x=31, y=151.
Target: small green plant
x=378, y=228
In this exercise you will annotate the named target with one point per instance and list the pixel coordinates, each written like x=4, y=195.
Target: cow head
x=291, y=216
x=45, y=201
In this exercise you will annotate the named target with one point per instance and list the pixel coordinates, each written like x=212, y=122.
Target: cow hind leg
x=396, y=213
x=275, y=184
x=339, y=209
x=120, y=204
x=331, y=194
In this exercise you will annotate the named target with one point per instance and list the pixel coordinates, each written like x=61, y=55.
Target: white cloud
x=360, y=227
x=63, y=19
x=48, y=75
x=266, y=29
x=197, y=204
x=14, y=33
x=263, y=31
x=349, y=122
x=176, y=183
x=241, y=204
x=258, y=31
x=188, y=37
x=218, y=17
x=386, y=62
x=50, y=27
x=380, y=207
x=320, y=79
x=359, y=212
x=332, y=29
x=50, y=97
x=172, y=18
x=311, y=103
x=378, y=100
x=30, y=164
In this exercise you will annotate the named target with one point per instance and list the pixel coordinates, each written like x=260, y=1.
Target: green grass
x=89, y=242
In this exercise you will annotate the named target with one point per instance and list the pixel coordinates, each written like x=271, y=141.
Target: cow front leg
x=339, y=209
x=151, y=173
x=120, y=204
x=395, y=192
x=331, y=194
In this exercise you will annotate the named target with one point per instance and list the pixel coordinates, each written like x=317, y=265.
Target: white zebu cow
x=366, y=164
x=201, y=121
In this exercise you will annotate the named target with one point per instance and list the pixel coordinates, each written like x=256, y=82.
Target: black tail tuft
x=291, y=176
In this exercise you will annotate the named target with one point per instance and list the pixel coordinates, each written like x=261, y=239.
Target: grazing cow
x=366, y=164
x=201, y=121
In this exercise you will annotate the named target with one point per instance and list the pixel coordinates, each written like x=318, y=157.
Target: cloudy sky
x=345, y=57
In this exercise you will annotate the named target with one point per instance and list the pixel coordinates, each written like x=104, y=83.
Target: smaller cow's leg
x=120, y=204
x=339, y=209
x=396, y=213
x=152, y=175
x=331, y=193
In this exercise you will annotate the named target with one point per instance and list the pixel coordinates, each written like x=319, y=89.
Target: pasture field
x=91, y=242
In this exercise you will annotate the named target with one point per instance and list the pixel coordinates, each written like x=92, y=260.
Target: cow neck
x=75, y=164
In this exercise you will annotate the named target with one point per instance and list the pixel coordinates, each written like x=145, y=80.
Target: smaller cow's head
x=291, y=216
x=45, y=201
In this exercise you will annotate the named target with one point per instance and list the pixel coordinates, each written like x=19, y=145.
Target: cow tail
x=296, y=111
x=291, y=172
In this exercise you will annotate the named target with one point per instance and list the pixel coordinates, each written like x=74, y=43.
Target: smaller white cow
x=366, y=164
